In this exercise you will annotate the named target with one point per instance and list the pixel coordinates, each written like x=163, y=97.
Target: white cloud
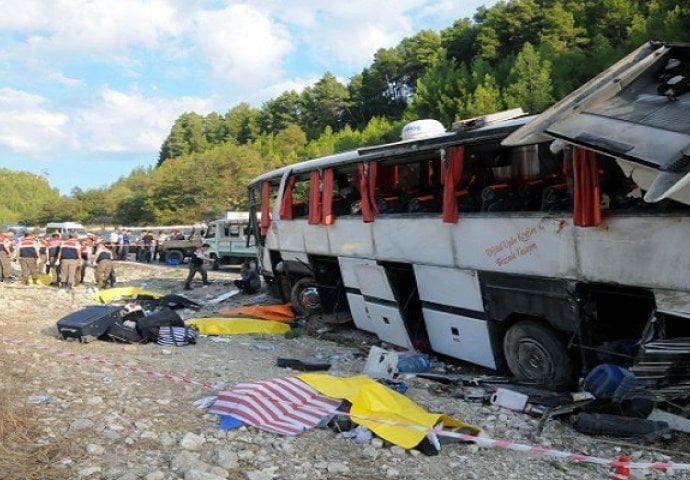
x=26, y=126
x=59, y=77
x=121, y=122
x=101, y=28
x=243, y=44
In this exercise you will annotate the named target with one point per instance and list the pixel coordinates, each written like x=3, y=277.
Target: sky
x=89, y=89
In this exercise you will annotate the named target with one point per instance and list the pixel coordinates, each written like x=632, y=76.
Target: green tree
x=529, y=84
x=241, y=124
x=323, y=105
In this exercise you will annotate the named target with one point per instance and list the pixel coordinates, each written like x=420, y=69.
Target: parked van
x=66, y=228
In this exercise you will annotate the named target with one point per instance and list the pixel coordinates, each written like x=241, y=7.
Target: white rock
x=87, y=472
x=157, y=475
x=370, y=452
x=225, y=458
x=81, y=424
x=396, y=450
x=192, y=441
x=199, y=475
x=95, y=449
x=337, y=467
x=258, y=475
x=392, y=472
x=377, y=442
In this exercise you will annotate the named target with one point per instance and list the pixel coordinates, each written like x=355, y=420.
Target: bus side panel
x=454, y=315
x=643, y=250
x=413, y=240
x=355, y=299
x=525, y=244
x=350, y=237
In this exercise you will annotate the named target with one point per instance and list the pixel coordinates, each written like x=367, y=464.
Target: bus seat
x=424, y=203
x=466, y=201
x=499, y=198
x=555, y=197
x=530, y=194
x=390, y=204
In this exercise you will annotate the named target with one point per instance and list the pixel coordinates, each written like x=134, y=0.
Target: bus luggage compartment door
x=454, y=314
x=372, y=302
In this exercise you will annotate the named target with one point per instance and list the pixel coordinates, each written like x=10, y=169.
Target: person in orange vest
x=85, y=252
x=28, y=253
x=5, y=257
x=53, y=249
x=103, y=258
x=69, y=258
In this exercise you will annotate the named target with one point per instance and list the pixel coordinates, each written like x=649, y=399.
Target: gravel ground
x=119, y=424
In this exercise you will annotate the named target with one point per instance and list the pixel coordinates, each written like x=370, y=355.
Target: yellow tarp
x=112, y=294
x=281, y=313
x=236, y=326
x=44, y=279
x=374, y=400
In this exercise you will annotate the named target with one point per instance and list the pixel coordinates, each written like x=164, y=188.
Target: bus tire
x=304, y=296
x=174, y=256
x=536, y=352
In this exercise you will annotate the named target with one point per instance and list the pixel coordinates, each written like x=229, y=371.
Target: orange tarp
x=279, y=313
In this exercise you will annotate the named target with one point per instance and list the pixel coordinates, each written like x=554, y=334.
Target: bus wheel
x=535, y=352
x=304, y=296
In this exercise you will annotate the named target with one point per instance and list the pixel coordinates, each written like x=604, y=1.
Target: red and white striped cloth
x=286, y=406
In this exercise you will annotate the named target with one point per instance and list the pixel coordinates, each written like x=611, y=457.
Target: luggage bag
x=89, y=323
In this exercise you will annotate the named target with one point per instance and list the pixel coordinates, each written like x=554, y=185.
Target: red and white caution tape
x=480, y=441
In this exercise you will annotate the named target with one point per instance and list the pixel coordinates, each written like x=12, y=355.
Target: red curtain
x=372, y=184
x=365, y=198
x=287, y=203
x=327, y=196
x=451, y=176
x=315, y=198
x=587, y=194
x=265, y=207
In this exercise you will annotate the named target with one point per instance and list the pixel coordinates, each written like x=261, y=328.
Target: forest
x=518, y=53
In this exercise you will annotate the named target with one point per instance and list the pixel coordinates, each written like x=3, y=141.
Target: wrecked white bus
x=541, y=257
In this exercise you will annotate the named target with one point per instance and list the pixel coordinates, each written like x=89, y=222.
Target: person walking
x=196, y=265
x=28, y=253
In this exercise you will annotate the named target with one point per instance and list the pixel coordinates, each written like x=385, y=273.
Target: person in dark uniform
x=28, y=253
x=196, y=265
x=104, y=272
x=52, y=266
x=69, y=258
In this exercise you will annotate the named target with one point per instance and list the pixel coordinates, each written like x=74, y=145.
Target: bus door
x=454, y=314
x=372, y=302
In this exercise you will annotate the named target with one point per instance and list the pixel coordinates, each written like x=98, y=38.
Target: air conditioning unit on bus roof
x=419, y=129
x=485, y=120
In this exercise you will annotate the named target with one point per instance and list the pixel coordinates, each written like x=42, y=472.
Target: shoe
x=187, y=287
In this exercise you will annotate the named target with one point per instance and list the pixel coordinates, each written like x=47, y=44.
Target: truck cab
x=228, y=240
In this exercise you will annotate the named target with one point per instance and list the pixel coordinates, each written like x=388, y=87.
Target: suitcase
x=125, y=331
x=149, y=325
x=89, y=323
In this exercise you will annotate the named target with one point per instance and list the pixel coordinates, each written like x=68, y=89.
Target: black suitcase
x=149, y=325
x=89, y=323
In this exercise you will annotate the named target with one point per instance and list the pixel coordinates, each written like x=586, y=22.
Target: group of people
x=65, y=259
